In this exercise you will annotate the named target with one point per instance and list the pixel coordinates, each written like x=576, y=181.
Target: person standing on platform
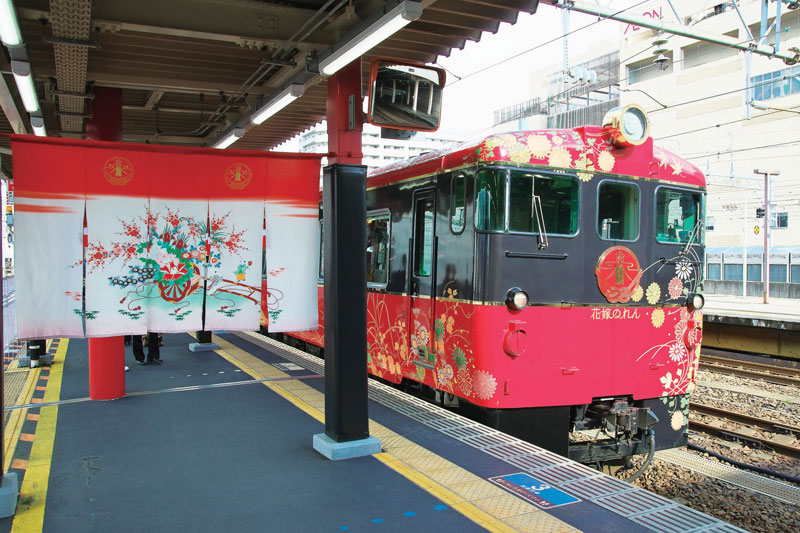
x=153, y=351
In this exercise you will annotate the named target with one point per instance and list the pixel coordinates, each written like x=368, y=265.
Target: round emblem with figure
x=118, y=171
x=238, y=176
x=618, y=274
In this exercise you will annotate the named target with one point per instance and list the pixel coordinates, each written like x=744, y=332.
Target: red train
x=547, y=283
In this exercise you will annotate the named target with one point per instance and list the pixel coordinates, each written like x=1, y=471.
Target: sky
x=496, y=71
x=510, y=56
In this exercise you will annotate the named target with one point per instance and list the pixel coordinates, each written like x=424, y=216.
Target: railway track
x=744, y=435
x=746, y=369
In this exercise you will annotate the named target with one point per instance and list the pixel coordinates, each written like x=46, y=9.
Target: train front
x=588, y=279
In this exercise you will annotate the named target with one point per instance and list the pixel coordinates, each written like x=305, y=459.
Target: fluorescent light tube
x=371, y=36
x=286, y=97
x=25, y=86
x=9, y=30
x=38, y=126
x=229, y=139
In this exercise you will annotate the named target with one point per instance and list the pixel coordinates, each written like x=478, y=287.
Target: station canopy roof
x=190, y=70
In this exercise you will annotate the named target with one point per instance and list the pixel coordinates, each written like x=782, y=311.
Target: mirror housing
x=404, y=95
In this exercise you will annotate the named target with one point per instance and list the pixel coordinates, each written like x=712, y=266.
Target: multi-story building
x=378, y=151
x=733, y=114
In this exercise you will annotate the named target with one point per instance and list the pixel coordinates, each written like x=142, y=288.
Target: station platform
x=747, y=324
x=222, y=441
x=780, y=313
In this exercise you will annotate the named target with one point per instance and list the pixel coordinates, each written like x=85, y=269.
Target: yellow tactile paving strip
x=477, y=499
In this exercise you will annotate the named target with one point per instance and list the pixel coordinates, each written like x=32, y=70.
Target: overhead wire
x=555, y=39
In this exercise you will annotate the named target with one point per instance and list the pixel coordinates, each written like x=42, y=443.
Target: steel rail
x=789, y=371
x=741, y=418
x=783, y=449
x=752, y=374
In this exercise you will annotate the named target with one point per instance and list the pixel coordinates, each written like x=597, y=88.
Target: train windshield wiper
x=536, y=204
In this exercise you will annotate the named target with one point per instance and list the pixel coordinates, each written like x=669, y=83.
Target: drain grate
x=741, y=478
x=628, y=501
x=596, y=487
x=676, y=518
x=633, y=502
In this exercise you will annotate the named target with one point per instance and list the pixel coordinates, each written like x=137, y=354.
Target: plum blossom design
x=683, y=269
x=677, y=420
x=560, y=157
x=422, y=335
x=653, y=293
x=677, y=352
x=538, y=145
x=445, y=375
x=638, y=292
x=657, y=318
x=675, y=288
x=485, y=384
x=605, y=161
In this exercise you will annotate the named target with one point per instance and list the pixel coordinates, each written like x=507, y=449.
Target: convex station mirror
x=405, y=95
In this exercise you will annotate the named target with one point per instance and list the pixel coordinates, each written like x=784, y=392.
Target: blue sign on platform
x=533, y=490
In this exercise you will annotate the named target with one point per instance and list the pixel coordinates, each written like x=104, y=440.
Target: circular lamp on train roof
x=626, y=126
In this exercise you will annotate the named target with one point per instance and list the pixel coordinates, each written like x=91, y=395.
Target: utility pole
x=765, y=258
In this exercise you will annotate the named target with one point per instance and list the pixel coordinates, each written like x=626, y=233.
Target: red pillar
x=106, y=354
x=345, y=115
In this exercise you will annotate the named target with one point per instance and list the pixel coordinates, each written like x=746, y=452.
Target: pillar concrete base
x=9, y=491
x=203, y=347
x=25, y=360
x=336, y=451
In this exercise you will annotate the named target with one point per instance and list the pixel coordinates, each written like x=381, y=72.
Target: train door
x=423, y=278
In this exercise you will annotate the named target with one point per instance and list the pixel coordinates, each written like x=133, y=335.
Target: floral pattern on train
x=435, y=350
x=555, y=148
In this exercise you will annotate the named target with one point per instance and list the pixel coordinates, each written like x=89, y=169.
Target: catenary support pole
x=765, y=255
x=344, y=222
x=106, y=354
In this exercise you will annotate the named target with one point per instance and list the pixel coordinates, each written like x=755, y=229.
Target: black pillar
x=345, y=234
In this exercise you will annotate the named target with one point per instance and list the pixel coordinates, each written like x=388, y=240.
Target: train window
x=423, y=238
x=490, y=200
x=458, y=202
x=559, y=197
x=618, y=211
x=679, y=216
x=378, y=248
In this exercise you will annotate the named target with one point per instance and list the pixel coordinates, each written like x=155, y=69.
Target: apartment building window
x=777, y=273
x=709, y=223
x=795, y=273
x=646, y=70
x=776, y=84
x=702, y=52
x=753, y=272
x=713, y=271
x=734, y=273
x=779, y=220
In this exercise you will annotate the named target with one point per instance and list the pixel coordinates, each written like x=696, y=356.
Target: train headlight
x=695, y=301
x=626, y=126
x=516, y=299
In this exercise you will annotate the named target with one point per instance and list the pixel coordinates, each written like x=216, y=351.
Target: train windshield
x=505, y=202
x=679, y=216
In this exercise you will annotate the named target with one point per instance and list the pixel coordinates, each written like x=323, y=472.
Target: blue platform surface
x=222, y=441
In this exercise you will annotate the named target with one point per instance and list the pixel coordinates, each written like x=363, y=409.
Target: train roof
x=583, y=150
